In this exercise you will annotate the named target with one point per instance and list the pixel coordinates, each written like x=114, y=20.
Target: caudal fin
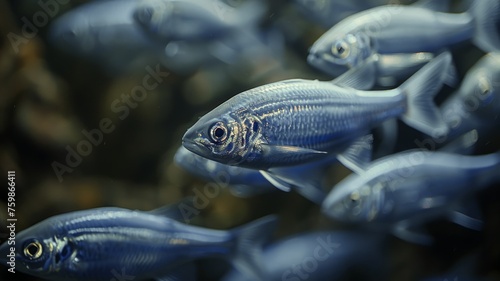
x=486, y=15
x=249, y=241
x=422, y=114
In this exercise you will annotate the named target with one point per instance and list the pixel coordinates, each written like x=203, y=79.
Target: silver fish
x=97, y=244
x=296, y=121
x=195, y=21
x=242, y=182
x=476, y=104
x=306, y=179
x=329, y=12
x=410, y=188
x=395, y=29
x=322, y=256
x=105, y=32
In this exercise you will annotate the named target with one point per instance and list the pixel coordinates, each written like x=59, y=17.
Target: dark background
x=48, y=96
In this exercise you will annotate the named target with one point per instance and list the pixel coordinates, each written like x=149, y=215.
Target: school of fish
x=386, y=62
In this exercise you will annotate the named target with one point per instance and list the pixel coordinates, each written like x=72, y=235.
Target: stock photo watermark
x=31, y=27
x=120, y=106
x=11, y=221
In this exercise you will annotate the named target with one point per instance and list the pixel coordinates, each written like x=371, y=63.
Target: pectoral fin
x=361, y=77
x=286, y=151
x=276, y=181
x=407, y=231
x=467, y=215
x=358, y=155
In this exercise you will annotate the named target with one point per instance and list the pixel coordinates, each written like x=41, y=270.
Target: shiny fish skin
x=402, y=29
x=92, y=244
x=105, y=32
x=476, y=104
x=410, y=187
x=194, y=21
x=295, y=121
x=329, y=12
x=241, y=181
x=337, y=253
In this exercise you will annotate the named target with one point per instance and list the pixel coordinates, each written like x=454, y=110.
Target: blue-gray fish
x=297, y=121
x=407, y=189
x=105, y=32
x=306, y=179
x=98, y=244
x=191, y=20
x=242, y=182
x=395, y=29
x=323, y=256
x=476, y=104
x=329, y=12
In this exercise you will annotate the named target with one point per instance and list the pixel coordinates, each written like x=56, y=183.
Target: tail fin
x=422, y=114
x=249, y=241
x=486, y=15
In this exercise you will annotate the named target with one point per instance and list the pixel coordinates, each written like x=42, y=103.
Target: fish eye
x=218, y=132
x=353, y=200
x=340, y=49
x=484, y=87
x=33, y=250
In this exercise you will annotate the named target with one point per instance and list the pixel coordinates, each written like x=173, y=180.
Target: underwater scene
x=246, y=140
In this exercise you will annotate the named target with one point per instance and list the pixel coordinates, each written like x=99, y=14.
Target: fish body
x=329, y=12
x=306, y=179
x=476, y=104
x=322, y=256
x=95, y=244
x=411, y=188
x=395, y=29
x=194, y=21
x=241, y=181
x=295, y=121
x=104, y=31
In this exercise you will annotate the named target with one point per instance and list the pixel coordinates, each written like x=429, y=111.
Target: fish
x=195, y=21
x=322, y=256
x=97, y=244
x=476, y=104
x=242, y=182
x=329, y=12
x=106, y=33
x=397, y=29
x=403, y=191
x=297, y=121
x=306, y=179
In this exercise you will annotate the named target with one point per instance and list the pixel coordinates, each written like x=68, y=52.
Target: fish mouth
x=195, y=146
x=325, y=64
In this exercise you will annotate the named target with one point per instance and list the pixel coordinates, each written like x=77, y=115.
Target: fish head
x=336, y=54
x=41, y=250
x=229, y=138
x=357, y=199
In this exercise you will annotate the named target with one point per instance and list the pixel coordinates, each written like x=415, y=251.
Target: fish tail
x=486, y=15
x=420, y=89
x=249, y=241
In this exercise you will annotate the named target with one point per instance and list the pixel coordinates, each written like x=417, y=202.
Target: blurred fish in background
x=95, y=97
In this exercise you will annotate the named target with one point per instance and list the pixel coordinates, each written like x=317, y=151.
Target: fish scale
x=322, y=108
